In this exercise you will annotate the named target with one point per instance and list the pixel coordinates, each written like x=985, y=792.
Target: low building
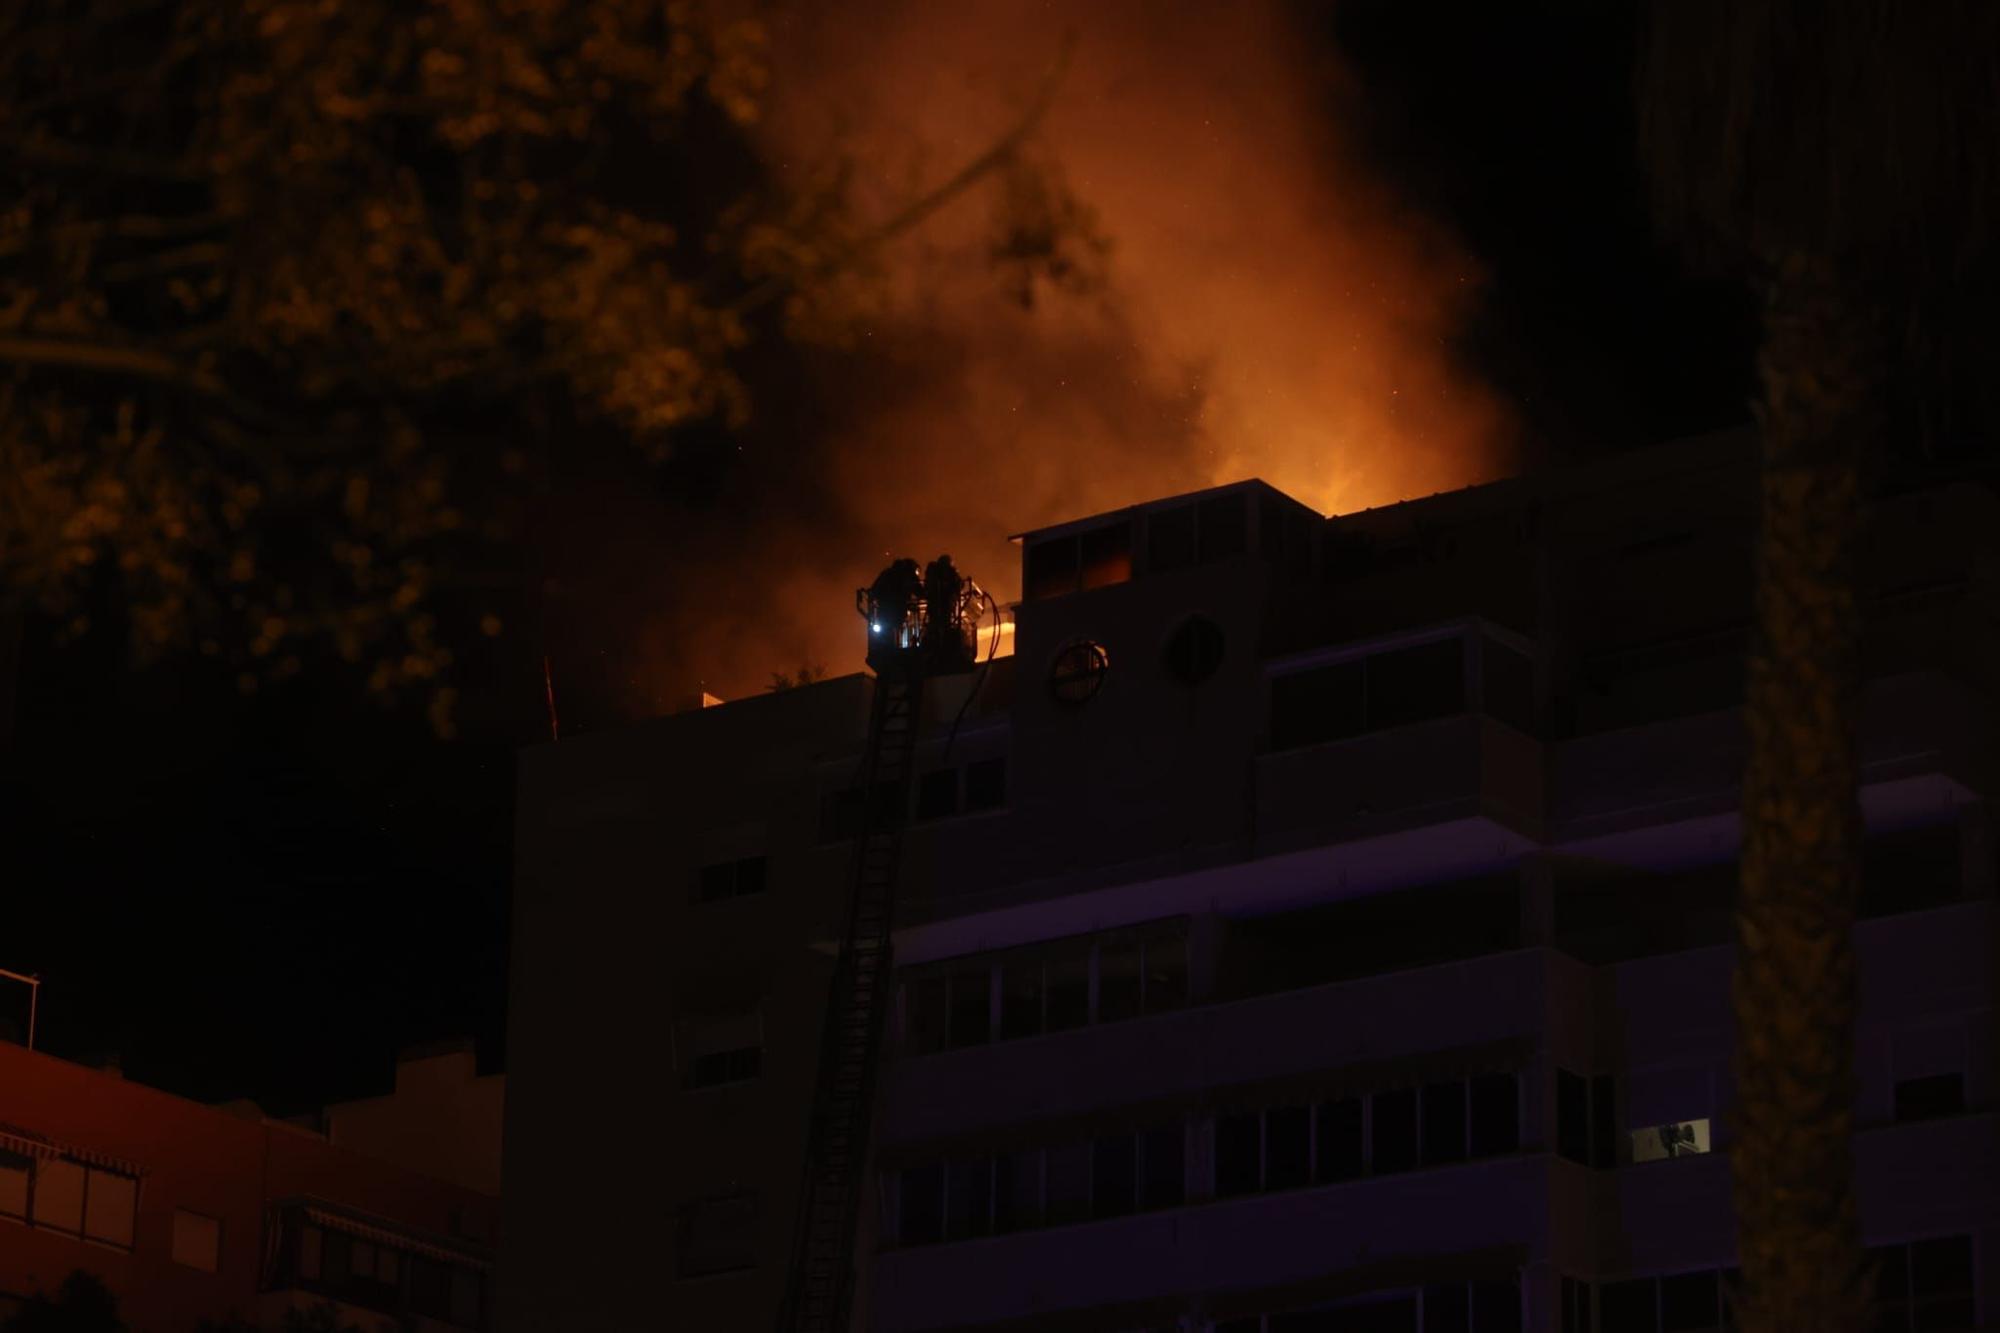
x=1316, y=924
x=191, y=1213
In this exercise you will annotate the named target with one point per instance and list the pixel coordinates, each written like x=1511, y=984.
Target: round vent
x=1078, y=672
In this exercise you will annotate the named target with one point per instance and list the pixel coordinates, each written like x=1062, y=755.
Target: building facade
x=1316, y=924
x=194, y=1214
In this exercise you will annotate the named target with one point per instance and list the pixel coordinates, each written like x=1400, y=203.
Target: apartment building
x=193, y=1214
x=1315, y=924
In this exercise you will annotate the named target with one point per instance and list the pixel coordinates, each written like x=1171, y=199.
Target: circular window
x=1078, y=673
x=1194, y=650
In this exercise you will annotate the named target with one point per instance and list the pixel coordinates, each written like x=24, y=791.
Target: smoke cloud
x=1264, y=309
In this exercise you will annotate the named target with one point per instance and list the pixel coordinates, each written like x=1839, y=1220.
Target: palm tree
x=1842, y=154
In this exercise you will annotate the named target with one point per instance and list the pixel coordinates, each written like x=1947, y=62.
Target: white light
x=876, y=629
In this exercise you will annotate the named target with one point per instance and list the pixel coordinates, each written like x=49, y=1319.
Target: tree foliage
x=81, y=1305
x=290, y=290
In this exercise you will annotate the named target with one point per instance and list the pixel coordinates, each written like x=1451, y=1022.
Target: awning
x=393, y=1237
x=24, y=1144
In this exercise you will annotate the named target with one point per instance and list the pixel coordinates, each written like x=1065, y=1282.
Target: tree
x=297, y=298
x=81, y=1305
x=1842, y=154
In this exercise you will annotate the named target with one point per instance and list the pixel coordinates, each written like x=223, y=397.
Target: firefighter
x=892, y=604
x=943, y=586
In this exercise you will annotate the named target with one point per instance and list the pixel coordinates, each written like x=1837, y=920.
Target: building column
x=1975, y=850
x=1538, y=900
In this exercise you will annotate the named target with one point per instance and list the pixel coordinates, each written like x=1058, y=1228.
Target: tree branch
x=103, y=359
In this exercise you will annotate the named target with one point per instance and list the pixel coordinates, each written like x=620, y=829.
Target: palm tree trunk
x=1792, y=1160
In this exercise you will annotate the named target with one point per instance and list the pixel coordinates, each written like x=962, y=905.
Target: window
x=1395, y=1117
x=1166, y=966
x=1416, y=684
x=717, y=1235
x=1321, y=704
x=1629, y=1307
x=1114, y=1176
x=1238, y=1152
x=311, y=1252
x=1068, y=1187
x=1690, y=1303
x=1574, y=1299
x=58, y=1195
x=1587, y=1119
x=968, y=1198
x=985, y=785
x=1120, y=971
x=1604, y=1122
x=1927, y=1284
x=716, y=1051
x=468, y=1297
x=1930, y=1097
x=1496, y=1115
x=926, y=1005
x=1675, y=1303
x=1017, y=1191
x=937, y=794
x=14, y=1172
x=1194, y=651
x=731, y=879
x=1021, y=997
x=1683, y=1138
x=1341, y=1154
x=110, y=1205
x=1092, y=559
x=1068, y=981
x=1287, y=1147
x=921, y=1199
x=971, y=1005
x=1163, y=1166
x=842, y=815
x=1390, y=689
x=1444, y=1123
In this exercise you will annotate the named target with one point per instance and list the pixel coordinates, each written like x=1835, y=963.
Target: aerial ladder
x=919, y=626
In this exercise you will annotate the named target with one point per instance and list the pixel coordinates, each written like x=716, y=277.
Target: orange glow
x=1270, y=310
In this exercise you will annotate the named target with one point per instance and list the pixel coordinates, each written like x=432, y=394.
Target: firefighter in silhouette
x=944, y=637
x=890, y=606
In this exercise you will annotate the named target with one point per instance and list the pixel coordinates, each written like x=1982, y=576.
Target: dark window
x=717, y=881
x=1604, y=1122
x=1496, y=1116
x=1107, y=555
x=718, y=1067
x=968, y=1200
x=1194, y=651
x=1496, y=1307
x=971, y=1005
x=985, y=785
x=921, y=1196
x=1254, y=1324
x=1165, y=1165
x=1690, y=1303
x=1340, y=1155
x=1575, y=1314
x=926, y=1009
x=1224, y=527
x=1395, y=1116
x=1068, y=973
x=1628, y=1307
x=1323, y=704
x=1416, y=684
x=1236, y=1155
x=1941, y=1284
x=751, y=873
x=1017, y=1191
x=1170, y=538
x=430, y=1288
x=1444, y=1123
x=1927, y=1098
x=1287, y=1147
x=1166, y=968
x=1069, y=1170
x=1572, y=1117
x=1114, y=1176
x=1448, y=1309
x=1118, y=978
x=1050, y=568
x=718, y=1235
x=1020, y=998
x=1507, y=686
x=937, y=794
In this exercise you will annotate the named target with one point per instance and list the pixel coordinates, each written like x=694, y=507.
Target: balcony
x=1447, y=1223
x=323, y=1253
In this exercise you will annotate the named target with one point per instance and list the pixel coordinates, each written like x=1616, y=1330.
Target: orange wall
x=195, y=1157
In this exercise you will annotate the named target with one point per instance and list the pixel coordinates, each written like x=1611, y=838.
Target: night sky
x=266, y=897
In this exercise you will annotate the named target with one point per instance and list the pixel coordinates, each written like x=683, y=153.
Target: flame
x=1268, y=308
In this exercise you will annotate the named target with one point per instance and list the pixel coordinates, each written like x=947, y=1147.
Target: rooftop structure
x=1316, y=923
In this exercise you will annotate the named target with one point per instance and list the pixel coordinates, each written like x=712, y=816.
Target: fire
x=1268, y=309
